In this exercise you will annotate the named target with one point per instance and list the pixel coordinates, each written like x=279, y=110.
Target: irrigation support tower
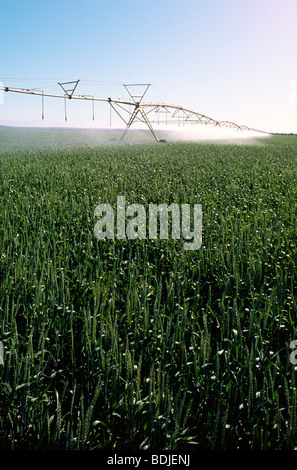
x=134, y=109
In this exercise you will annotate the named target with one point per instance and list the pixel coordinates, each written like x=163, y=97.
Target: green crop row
x=141, y=344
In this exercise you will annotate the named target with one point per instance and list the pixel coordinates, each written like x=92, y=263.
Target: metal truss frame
x=134, y=110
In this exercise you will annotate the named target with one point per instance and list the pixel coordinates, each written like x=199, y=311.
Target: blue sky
x=230, y=59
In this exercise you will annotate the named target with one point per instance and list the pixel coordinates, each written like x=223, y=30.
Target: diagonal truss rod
x=144, y=119
x=140, y=111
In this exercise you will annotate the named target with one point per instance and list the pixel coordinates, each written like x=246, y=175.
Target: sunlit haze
x=232, y=60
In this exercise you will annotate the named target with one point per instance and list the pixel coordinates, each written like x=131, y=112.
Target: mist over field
x=139, y=344
x=20, y=137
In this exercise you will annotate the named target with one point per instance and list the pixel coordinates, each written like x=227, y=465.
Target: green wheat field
x=139, y=344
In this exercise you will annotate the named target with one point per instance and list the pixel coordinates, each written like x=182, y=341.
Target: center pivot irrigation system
x=135, y=110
